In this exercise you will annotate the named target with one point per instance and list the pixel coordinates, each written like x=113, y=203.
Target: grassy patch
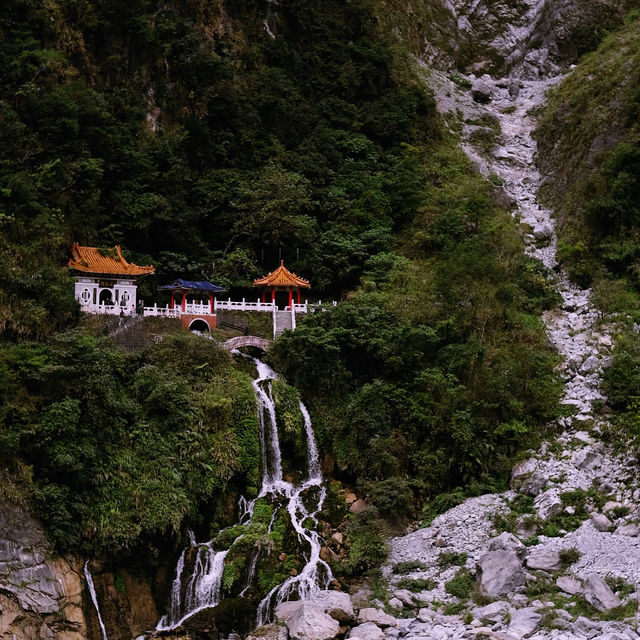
x=451, y=559
x=461, y=585
x=416, y=584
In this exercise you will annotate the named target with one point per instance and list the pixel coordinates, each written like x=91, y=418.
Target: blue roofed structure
x=192, y=286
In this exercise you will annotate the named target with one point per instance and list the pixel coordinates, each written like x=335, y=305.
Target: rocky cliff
x=43, y=596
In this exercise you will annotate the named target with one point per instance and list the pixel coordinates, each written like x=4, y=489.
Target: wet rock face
x=41, y=597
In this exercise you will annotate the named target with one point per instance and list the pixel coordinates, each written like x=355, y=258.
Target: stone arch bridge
x=247, y=341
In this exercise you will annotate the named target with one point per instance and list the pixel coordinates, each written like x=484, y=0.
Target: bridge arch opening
x=199, y=325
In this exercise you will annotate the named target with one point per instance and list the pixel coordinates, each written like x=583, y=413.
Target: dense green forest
x=208, y=139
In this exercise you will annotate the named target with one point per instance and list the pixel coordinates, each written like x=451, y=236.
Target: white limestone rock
x=544, y=559
x=310, y=622
x=500, y=572
x=508, y=542
x=336, y=604
x=367, y=631
x=600, y=521
x=286, y=609
x=382, y=619
x=396, y=604
x=569, y=585
x=598, y=594
x=406, y=597
x=548, y=504
x=524, y=622
x=493, y=612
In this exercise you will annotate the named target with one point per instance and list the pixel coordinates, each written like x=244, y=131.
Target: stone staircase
x=281, y=321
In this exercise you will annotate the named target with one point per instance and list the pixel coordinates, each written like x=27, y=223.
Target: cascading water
x=202, y=588
x=94, y=598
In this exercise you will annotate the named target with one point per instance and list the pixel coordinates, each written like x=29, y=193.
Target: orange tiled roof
x=90, y=260
x=281, y=277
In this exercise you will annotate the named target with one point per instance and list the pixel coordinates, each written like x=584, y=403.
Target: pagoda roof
x=112, y=262
x=192, y=285
x=281, y=277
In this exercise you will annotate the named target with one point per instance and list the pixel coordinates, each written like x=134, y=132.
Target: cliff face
x=44, y=597
x=533, y=37
x=40, y=597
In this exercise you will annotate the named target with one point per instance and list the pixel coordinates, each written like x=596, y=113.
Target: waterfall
x=202, y=589
x=252, y=569
x=312, y=448
x=94, y=598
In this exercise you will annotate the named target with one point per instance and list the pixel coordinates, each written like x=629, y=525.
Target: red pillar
x=273, y=294
x=290, y=298
x=211, y=305
x=184, y=302
x=264, y=295
x=298, y=296
x=173, y=300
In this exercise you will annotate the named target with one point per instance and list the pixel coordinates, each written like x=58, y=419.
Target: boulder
x=266, y=632
x=382, y=619
x=426, y=615
x=589, y=457
x=394, y=603
x=598, y=594
x=336, y=604
x=286, y=609
x=600, y=521
x=310, y=622
x=358, y=506
x=533, y=485
x=367, y=631
x=507, y=542
x=544, y=559
x=548, y=504
x=500, y=572
x=482, y=90
x=523, y=469
x=524, y=622
x=569, y=585
x=493, y=612
x=406, y=597
x=630, y=529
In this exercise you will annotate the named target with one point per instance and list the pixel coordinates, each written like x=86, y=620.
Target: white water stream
x=202, y=588
x=94, y=599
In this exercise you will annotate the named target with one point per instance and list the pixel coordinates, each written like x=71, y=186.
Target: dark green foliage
x=589, y=139
x=441, y=372
x=620, y=586
x=408, y=567
x=451, y=559
x=125, y=446
x=569, y=556
x=416, y=584
x=392, y=496
x=461, y=585
x=366, y=543
x=189, y=135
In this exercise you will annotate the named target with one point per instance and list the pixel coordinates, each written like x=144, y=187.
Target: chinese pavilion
x=282, y=280
x=105, y=281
